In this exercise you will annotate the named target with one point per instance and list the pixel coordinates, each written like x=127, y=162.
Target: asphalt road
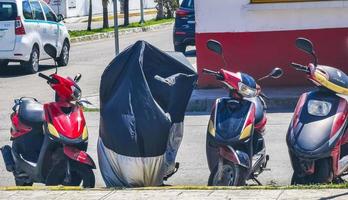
x=191, y=156
x=90, y=59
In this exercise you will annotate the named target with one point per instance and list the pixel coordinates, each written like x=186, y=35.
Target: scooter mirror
x=305, y=45
x=276, y=73
x=77, y=77
x=51, y=50
x=214, y=46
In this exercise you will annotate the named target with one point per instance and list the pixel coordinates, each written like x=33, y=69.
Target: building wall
x=258, y=37
x=82, y=6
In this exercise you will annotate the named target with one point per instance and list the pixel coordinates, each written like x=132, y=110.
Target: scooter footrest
x=8, y=159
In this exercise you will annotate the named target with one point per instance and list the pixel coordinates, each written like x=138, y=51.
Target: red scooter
x=49, y=141
x=235, y=146
x=317, y=137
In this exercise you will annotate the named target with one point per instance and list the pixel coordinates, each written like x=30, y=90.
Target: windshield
x=8, y=11
x=188, y=4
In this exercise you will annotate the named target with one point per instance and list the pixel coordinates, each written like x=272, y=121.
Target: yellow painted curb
x=49, y=188
x=187, y=187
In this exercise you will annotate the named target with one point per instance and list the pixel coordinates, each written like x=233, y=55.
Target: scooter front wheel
x=230, y=174
x=79, y=173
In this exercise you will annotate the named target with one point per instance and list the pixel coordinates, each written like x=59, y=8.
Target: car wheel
x=180, y=48
x=32, y=66
x=63, y=59
x=4, y=63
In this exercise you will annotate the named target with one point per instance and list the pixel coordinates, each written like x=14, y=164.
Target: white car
x=25, y=27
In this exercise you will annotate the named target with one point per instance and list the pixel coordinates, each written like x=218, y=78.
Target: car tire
x=180, y=48
x=4, y=63
x=32, y=66
x=63, y=59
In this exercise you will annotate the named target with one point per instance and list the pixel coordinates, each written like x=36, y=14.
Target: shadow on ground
x=17, y=70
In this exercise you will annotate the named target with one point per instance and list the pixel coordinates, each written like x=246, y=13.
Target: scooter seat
x=31, y=111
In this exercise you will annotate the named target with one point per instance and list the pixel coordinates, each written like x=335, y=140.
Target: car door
x=8, y=14
x=52, y=25
x=41, y=26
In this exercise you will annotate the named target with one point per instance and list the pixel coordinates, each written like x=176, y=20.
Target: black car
x=184, y=27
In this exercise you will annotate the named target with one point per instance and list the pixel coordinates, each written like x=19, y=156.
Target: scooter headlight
x=319, y=108
x=246, y=91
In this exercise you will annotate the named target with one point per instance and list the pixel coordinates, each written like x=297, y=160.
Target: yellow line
x=187, y=187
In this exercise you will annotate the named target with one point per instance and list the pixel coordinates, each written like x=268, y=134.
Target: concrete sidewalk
x=203, y=99
x=322, y=194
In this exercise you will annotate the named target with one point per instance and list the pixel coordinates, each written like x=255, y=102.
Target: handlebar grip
x=44, y=76
x=49, y=79
x=300, y=67
x=208, y=71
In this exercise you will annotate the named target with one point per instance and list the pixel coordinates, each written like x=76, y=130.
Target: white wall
x=241, y=16
x=83, y=5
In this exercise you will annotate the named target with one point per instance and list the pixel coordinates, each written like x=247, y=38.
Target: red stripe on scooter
x=298, y=110
x=18, y=128
x=340, y=117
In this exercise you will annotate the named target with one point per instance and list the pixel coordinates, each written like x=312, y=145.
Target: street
x=90, y=59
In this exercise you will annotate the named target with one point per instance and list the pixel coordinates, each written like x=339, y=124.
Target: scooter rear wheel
x=79, y=173
x=230, y=175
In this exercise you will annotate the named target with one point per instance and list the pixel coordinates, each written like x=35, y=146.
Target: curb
x=205, y=105
x=111, y=34
x=179, y=187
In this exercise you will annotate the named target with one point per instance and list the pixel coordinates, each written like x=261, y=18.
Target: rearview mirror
x=214, y=46
x=305, y=45
x=51, y=50
x=77, y=77
x=276, y=73
x=60, y=17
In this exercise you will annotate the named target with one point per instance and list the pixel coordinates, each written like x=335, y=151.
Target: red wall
x=256, y=53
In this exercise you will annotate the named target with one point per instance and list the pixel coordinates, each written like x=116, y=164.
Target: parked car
x=184, y=27
x=25, y=27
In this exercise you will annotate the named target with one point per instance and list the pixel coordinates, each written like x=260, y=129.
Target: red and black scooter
x=235, y=145
x=317, y=137
x=49, y=141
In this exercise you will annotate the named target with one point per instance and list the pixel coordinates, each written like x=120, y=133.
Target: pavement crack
x=280, y=194
x=106, y=195
x=211, y=193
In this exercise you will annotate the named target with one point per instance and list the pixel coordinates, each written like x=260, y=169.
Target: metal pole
x=142, y=20
x=117, y=47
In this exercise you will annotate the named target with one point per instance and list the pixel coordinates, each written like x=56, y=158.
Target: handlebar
x=217, y=75
x=49, y=79
x=300, y=67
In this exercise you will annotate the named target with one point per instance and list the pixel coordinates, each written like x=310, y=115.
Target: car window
x=188, y=4
x=8, y=11
x=50, y=16
x=27, y=12
x=38, y=14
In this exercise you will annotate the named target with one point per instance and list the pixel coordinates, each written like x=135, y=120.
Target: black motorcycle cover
x=143, y=92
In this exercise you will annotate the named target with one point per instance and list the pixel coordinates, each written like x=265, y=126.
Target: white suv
x=25, y=27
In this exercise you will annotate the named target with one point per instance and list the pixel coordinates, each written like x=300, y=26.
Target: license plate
x=191, y=22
